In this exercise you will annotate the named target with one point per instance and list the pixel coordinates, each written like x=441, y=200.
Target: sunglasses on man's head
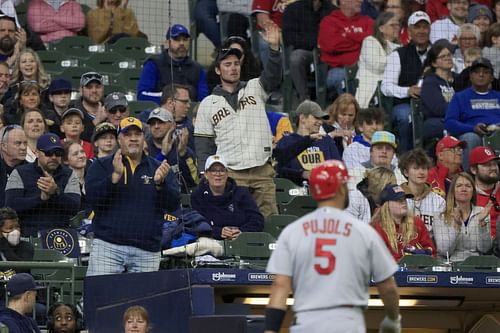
x=92, y=76
x=9, y=128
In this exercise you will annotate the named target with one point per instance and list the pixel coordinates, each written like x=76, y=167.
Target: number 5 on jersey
x=322, y=253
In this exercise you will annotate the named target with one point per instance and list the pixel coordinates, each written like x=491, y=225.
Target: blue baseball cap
x=176, y=30
x=49, y=142
x=59, y=85
x=393, y=192
x=21, y=283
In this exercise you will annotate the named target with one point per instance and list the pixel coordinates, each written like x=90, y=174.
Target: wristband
x=274, y=319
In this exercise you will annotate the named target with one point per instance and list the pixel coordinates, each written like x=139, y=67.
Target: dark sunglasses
x=120, y=109
x=8, y=129
x=495, y=203
x=57, y=153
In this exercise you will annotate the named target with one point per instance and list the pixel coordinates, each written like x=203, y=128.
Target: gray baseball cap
x=161, y=114
x=308, y=107
x=115, y=99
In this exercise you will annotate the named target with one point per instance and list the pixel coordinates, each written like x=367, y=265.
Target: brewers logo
x=60, y=240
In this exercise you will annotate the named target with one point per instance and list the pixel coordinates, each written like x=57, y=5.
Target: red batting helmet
x=326, y=179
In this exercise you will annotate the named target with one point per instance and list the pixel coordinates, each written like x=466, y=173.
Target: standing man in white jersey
x=327, y=259
x=232, y=122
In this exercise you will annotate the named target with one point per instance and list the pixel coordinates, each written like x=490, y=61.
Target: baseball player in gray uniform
x=232, y=122
x=327, y=259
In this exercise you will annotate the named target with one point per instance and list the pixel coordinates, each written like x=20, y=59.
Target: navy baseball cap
x=176, y=30
x=59, y=85
x=481, y=62
x=393, y=192
x=49, y=142
x=21, y=283
x=224, y=53
x=71, y=111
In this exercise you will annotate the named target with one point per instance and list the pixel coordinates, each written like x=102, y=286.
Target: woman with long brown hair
x=464, y=229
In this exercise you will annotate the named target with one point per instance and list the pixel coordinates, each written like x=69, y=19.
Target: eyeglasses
x=120, y=109
x=8, y=129
x=217, y=171
x=183, y=101
x=56, y=152
x=495, y=203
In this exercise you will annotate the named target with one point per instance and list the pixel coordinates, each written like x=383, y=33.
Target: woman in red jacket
x=402, y=232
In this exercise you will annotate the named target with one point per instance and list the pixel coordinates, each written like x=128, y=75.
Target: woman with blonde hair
x=363, y=201
x=402, y=232
x=340, y=125
x=464, y=229
x=29, y=67
x=136, y=320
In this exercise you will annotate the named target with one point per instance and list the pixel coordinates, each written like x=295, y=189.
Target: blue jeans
x=263, y=51
x=300, y=64
x=473, y=140
x=401, y=121
x=205, y=14
x=335, y=79
x=108, y=258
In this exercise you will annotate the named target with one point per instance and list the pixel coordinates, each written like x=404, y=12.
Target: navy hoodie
x=131, y=211
x=16, y=322
x=236, y=208
x=313, y=153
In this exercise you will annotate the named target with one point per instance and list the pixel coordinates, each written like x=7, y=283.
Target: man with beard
x=232, y=122
x=129, y=192
x=92, y=93
x=158, y=70
x=483, y=164
x=327, y=258
x=12, y=40
x=46, y=193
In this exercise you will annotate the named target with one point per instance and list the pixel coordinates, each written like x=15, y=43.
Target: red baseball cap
x=449, y=142
x=481, y=155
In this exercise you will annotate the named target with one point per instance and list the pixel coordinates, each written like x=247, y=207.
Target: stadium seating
x=136, y=107
x=109, y=62
x=417, y=123
x=419, y=262
x=286, y=190
x=351, y=83
x=298, y=206
x=320, y=74
x=128, y=78
x=479, y=263
x=73, y=74
x=493, y=141
x=76, y=46
x=254, y=247
x=3, y=328
x=132, y=48
x=276, y=223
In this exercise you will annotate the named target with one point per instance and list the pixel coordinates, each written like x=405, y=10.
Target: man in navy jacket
x=45, y=194
x=129, y=193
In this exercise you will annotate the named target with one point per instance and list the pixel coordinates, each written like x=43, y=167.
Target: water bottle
x=305, y=188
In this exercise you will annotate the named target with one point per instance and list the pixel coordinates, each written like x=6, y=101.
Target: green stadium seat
x=75, y=46
x=3, y=328
x=250, y=246
x=298, y=206
x=136, y=107
x=76, y=220
x=192, y=105
x=132, y=48
x=55, y=62
x=109, y=62
x=286, y=190
x=479, y=263
x=114, y=88
x=276, y=223
x=493, y=141
x=73, y=74
x=128, y=78
x=419, y=262
x=21, y=11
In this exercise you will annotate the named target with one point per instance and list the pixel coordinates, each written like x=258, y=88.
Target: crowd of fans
x=61, y=156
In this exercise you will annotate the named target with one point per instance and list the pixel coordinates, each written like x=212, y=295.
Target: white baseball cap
x=211, y=160
x=417, y=17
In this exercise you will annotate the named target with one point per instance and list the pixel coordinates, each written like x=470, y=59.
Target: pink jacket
x=54, y=25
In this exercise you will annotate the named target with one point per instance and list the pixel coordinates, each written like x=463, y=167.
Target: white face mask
x=13, y=237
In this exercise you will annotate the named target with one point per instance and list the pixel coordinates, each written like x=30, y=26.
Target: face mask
x=13, y=237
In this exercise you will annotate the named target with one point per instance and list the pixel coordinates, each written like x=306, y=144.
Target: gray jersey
x=331, y=257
